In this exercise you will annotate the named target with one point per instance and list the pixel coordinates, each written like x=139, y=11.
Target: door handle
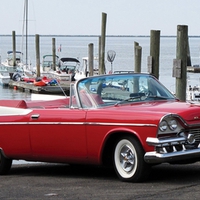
x=36, y=116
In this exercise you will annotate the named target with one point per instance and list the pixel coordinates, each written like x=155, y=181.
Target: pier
x=57, y=89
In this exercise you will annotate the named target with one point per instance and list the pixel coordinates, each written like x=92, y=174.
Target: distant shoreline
x=168, y=36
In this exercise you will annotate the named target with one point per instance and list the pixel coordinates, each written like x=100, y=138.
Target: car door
x=14, y=134
x=58, y=135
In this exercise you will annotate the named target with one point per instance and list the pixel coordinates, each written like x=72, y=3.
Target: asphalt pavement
x=58, y=181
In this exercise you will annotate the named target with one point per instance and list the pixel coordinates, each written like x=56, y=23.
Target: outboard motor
x=16, y=76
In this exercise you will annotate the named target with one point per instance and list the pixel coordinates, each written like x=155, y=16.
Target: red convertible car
x=128, y=121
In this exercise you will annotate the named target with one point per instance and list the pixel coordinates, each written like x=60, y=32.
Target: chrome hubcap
x=127, y=158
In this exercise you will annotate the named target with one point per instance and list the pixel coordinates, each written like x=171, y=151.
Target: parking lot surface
x=58, y=181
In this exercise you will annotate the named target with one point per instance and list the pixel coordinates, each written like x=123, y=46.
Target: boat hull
x=4, y=79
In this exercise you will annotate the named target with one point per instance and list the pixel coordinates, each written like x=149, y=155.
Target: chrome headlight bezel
x=169, y=125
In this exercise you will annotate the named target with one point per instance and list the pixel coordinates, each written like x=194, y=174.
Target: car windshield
x=120, y=89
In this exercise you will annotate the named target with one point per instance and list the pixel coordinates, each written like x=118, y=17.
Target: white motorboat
x=84, y=70
x=4, y=76
x=9, y=62
x=69, y=66
x=65, y=68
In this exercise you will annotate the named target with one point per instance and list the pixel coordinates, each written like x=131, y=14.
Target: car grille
x=196, y=133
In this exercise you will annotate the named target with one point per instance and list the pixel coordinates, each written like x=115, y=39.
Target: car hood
x=188, y=111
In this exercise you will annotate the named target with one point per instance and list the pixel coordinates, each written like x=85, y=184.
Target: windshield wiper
x=128, y=99
x=157, y=97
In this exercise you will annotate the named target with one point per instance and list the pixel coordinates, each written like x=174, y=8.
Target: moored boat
x=47, y=63
x=9, y=60
x=4, y=78
x=66, y=69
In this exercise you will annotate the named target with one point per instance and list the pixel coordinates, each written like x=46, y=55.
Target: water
x=9, y=93
x=123, y=46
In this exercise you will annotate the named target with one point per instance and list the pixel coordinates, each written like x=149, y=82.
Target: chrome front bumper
x=176, y=154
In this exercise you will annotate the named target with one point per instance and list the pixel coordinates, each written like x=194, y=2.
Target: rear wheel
x=129, y=161
x=5, y=164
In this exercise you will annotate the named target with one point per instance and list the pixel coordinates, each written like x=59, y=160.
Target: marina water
x=123, y=46
x=77, y=47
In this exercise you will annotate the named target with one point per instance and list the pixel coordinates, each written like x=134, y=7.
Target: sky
x=84, y=17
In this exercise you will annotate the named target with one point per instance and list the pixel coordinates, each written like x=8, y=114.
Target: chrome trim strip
x=57, y=123
x=81, y=123
x=119, y=124
x=41, y=123
x=11, y=123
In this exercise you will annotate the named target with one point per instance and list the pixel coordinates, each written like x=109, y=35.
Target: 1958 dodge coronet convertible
x=128, y=121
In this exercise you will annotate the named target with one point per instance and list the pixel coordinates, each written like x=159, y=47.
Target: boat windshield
x=117, y=89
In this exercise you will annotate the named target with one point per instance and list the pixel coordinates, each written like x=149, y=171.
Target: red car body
x=112, y=125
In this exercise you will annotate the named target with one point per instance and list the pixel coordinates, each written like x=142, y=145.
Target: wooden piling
x=26, y=12
x=99, y=52
x=181, y=53
x=137, y=68
x=102, y=47
x=135, y=45
x=138, y=57
x=155, y=51
x=54, y=53
x=14, y=49
x=37, y=46
x=90, y=59
x=189, y=63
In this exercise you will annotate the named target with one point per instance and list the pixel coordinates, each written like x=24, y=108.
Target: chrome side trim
x=41, y=123
x=82, y=123
x=119, y=124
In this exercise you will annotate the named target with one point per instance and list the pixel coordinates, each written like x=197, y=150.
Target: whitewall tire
x=129, y=161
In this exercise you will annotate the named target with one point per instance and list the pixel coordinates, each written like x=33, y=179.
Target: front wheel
x=5, y=164
x=129, y=161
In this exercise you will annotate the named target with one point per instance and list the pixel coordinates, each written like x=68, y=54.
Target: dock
x=57, y=89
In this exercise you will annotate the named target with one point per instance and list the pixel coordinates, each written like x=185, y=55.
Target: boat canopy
x=69, y=60
x=49, y=56
x=9, y=52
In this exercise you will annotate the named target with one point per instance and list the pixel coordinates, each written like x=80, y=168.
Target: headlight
x=173, y=124
x=163, y=126
x=170, y=124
